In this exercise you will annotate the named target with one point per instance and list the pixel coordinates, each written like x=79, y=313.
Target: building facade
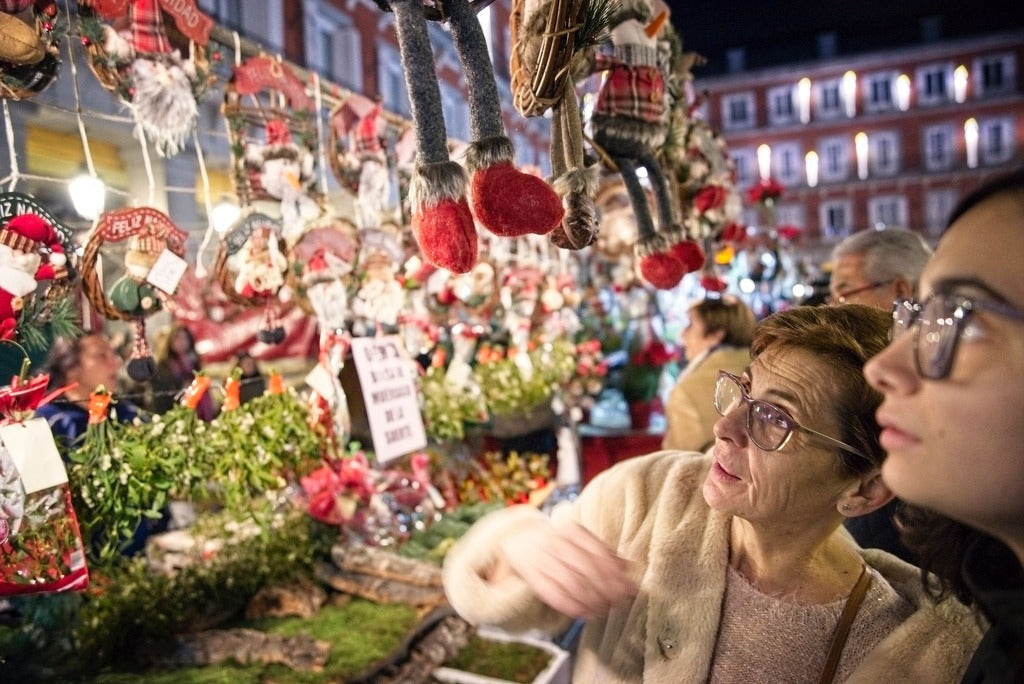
x=889, y=138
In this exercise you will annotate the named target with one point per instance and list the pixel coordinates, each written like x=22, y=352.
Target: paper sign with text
x=34, y=453
x=388, y=379
x=167, y=272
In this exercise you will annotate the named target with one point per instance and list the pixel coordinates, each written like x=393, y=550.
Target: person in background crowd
x=874, y=267
x=716, y=338
x=90, y=361
x=253, y=383
x=731, y=566
x=177, y=363
x=953, y=380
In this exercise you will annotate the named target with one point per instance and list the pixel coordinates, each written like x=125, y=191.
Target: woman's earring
x=846, y=508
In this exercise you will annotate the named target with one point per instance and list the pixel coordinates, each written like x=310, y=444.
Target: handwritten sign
x=388, y=379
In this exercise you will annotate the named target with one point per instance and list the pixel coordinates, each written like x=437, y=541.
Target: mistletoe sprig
x=447, y=410
x=123, y=473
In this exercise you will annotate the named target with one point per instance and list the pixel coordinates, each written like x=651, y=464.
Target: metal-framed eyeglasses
x=844, y=296
x=940, y=321
x=768, y=426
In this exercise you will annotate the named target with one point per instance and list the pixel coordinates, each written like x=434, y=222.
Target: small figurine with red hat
x=30, y=252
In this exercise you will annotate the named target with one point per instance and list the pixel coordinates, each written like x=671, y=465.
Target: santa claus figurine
x=30, y=251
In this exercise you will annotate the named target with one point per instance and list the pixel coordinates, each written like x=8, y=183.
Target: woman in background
x=953, y=418
x=716, y=338
x=177, y=363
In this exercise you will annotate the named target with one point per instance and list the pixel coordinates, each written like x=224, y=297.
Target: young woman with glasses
x=732, y=566
x=953, y=417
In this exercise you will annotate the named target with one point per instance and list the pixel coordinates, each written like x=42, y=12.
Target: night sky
x=781, y=31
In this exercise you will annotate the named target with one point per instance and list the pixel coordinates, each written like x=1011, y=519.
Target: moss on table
x=502, y=660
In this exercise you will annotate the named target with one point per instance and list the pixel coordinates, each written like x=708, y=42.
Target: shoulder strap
x=835, y=649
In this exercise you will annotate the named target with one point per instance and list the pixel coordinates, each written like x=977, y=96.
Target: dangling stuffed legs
x=506, y=201
x=441, y=219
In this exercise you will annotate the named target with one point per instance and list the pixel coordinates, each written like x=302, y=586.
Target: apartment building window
x=887, y=211
x=995, y=138
x=737, y=111
x=788, y=163
x=830, y=102
x=780, y=106
x=994, y=74
x=879, y=91
x=884, y=153
x=938, y=147
x=227, y=12
x=391, y=78
x=335, y=47
x=790, y=215
x=834, y=159
x=744, y=161
x=933, y=83
x=938, y=204
x=836, y=218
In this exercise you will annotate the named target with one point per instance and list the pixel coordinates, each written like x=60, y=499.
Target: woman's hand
x=568, y=568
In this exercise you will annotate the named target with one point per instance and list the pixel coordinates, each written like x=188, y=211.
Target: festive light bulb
x=971, y=139
x=860, y=144
x=764, y=161
x=960, y=83
x=811, y=164
x=903, y=92
x=223, y=215
x=88, y=194
x=803, y=99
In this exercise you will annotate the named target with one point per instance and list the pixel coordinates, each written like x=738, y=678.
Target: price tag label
x=167, y=272
x=35, y=454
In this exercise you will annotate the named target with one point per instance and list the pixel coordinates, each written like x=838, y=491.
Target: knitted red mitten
x=506, y=201
x=662, y=270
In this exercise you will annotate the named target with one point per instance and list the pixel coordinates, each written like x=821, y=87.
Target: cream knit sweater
x=651, y=510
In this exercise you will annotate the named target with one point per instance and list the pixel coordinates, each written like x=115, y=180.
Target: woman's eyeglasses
x=843, y=297
x=940, y=321
x=768, y=426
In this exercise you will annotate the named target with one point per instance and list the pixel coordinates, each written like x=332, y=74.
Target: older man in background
x=874, y=267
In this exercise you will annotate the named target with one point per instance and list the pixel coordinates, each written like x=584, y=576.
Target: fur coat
x=690, y=409
x=651, y=510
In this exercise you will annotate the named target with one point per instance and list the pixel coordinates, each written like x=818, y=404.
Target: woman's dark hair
x=729, y=315
x=843, y=338
x=64, y=356
x=165, y=344
x=1014, y=180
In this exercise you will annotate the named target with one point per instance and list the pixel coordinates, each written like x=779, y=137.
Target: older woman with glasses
x=953, y=418
x=732, y=566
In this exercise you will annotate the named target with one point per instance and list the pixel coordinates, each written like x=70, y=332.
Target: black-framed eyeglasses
x=940, y=321
x=842, y=297
x=768, y=426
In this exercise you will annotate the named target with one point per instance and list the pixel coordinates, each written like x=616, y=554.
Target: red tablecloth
x=602, y=448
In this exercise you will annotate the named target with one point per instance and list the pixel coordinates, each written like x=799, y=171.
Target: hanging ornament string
x=144, y=144
x=86, y=149
x=207, y=203
x=12, y=154
x=321, y=151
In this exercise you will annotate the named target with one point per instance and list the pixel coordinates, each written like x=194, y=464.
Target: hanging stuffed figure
x=505, y=201
x=630, y=122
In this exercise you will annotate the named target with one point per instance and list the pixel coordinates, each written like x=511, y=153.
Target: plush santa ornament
x=374, y=185
x=30, y=252
x=326, y=288
x=505, y=201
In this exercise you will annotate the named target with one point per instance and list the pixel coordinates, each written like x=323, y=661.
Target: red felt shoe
x=662, y=270
x=510, y=203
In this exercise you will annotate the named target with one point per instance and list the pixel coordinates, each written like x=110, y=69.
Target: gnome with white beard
x=30, y=252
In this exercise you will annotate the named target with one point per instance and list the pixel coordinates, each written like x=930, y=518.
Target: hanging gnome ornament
x=162, y=95
x=505, y=201
x=30, y=252
x=630, y=122
x=260, y=277
x=285, y=172
x=374, y=185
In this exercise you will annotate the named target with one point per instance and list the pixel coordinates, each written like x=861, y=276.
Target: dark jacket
x=1000, y=595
